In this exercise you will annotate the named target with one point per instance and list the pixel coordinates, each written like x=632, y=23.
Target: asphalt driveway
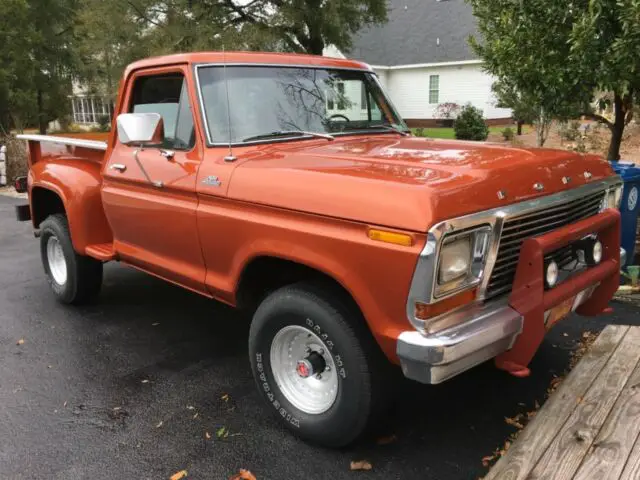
x=130, y=386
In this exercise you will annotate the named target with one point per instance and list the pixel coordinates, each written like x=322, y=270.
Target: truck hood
x=407, y=183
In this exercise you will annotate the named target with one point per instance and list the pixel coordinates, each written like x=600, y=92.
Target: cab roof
x=258, y=58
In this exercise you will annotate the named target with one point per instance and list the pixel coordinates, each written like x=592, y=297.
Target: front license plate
x=559, y=312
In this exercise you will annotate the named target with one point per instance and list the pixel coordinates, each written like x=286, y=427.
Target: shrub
x=508, y=134
x=447, y=110
x=470, y=124
x=578, y=147
x=74, y=128
x=569, y=131
x=65, y=121
x=104, y=123
x=16, y=157
x=419, y=132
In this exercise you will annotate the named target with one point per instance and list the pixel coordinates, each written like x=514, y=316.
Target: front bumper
x=488, y=331
x=512, y=329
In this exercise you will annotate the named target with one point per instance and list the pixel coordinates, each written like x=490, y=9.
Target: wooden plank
x=614, y=443
x=533, y=441
x=568, y=449
x=632, y=469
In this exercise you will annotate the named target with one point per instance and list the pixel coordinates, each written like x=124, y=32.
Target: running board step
x=101, y=251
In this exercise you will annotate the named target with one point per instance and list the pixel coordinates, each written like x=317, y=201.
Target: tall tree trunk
x=543, y=127
x=617, y=128
x=520, y=123
x=42, y=121
x=315, y=42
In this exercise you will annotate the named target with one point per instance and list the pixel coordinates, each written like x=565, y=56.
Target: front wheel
x=73, y=278
x=313, y=364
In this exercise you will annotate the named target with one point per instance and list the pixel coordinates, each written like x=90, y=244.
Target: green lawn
x=450, y=134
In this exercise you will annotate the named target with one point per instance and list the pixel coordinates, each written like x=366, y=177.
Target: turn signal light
x=423, y=311
x=390, y=237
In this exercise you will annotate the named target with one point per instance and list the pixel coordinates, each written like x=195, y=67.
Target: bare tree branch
x=598, y=118
x=142, y=14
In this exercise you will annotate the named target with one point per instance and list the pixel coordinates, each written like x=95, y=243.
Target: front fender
x=77, y=183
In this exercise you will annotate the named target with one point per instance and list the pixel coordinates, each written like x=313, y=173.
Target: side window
x=166, y=95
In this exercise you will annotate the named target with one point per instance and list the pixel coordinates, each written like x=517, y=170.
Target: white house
x=87, y=107
x=423, y=58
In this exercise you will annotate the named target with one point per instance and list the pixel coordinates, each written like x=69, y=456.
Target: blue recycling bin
x=629, y=206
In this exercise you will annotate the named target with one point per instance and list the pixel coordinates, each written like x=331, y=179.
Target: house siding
x=461, y=84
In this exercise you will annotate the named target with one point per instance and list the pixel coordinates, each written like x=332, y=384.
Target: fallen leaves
x=207, y=435
x=498, y=452
x=159, y=425
x=486, y=461
x=515, y=421
x=20, y=342
x=361, y=465
x=387, y=440
x=222, y=432
x=553, y=386
x=146, y=380
x=243, y=475
x=586, y=341
x=179, y=475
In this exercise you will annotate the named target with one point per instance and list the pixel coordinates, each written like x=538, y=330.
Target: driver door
x=151, y=202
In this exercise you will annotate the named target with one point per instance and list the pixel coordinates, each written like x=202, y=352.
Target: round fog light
x=551, y=274
x=596, y=253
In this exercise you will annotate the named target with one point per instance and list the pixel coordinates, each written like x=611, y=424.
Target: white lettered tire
x=305, y=324
x=73, y=278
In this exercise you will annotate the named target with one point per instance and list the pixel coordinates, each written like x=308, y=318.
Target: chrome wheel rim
x=57, y=263
x=316, y=393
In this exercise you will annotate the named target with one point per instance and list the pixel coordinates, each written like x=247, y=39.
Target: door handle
x=118, y=166
x=168, y=154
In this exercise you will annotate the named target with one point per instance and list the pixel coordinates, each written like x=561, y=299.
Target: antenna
x=230, y=157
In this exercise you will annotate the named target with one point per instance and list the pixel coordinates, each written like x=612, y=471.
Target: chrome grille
x=532, y=224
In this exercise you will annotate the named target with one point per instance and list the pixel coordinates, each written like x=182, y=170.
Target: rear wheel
x=315, y=365
x=73, y=278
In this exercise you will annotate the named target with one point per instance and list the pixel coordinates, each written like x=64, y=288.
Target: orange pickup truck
x=289, y=186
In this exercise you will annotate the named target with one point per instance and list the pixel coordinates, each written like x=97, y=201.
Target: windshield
x=268, y=102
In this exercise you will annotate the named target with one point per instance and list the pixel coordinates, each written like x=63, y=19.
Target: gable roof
x=413, y=31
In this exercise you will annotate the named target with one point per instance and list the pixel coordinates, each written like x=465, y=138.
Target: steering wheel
x=338, y=115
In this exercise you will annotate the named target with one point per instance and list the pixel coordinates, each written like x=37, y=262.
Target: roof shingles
x=418, y=31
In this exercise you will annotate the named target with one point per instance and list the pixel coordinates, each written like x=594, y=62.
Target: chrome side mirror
x=140, y=129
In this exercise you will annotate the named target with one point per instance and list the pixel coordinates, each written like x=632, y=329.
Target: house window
x=434, y=88
x=88, y=110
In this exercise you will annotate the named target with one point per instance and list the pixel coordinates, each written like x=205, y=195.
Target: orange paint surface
x=308, y=201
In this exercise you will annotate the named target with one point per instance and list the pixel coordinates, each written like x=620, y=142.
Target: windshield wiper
x=289, y=133
x=392, y=128
x=389, y=128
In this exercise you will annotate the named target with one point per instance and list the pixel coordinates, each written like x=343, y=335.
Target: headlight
x=462, y=260
x=455, y=260
x=612, y=198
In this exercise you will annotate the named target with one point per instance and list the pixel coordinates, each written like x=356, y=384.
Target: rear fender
x=77, y=183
